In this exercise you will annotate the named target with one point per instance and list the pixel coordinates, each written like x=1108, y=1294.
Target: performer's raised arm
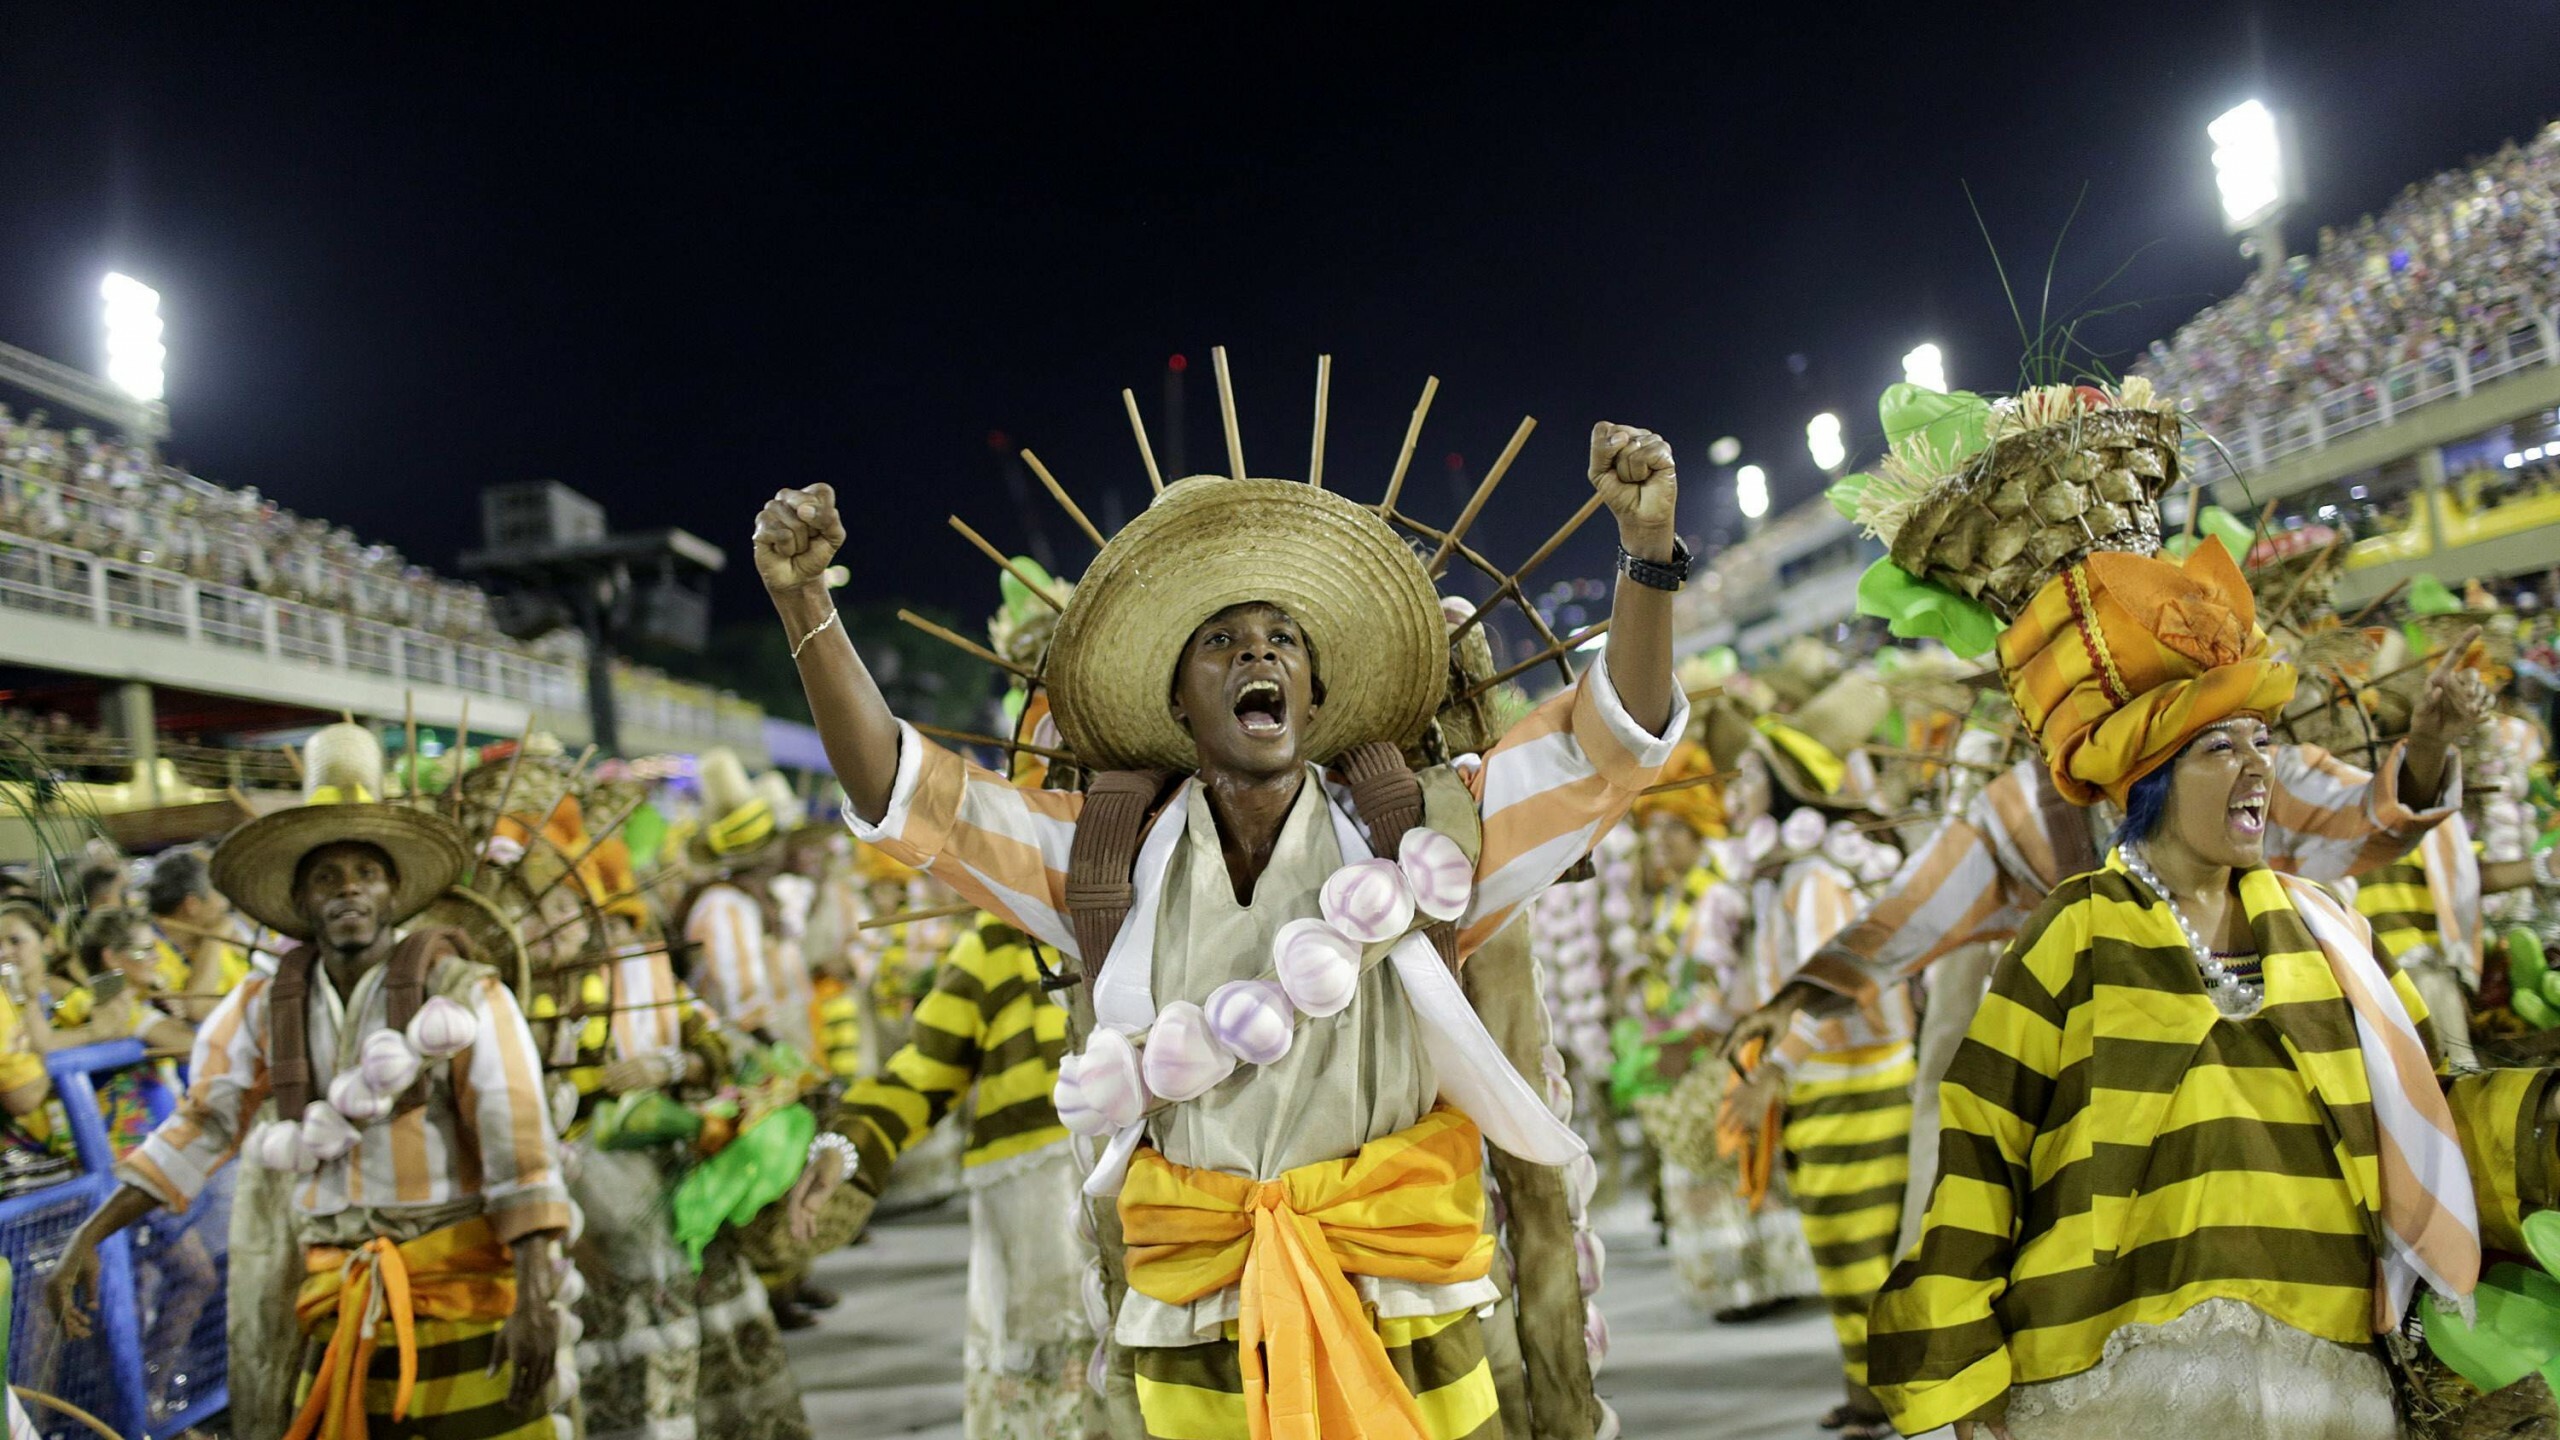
x=797, y=535
x=1633, y=471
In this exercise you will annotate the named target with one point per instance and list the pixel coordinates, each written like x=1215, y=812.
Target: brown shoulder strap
x=1387, y=796
x=288, y=1043
x=1100, y=864
x=2075, y=850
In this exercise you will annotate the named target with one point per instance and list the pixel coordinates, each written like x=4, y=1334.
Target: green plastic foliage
x=2221, y=524
x=750, y=1172
x=1954, y=425
x=1914, y=609
x=2428, y=596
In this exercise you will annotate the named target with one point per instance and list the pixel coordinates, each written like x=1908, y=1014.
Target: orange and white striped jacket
x=742, y=972
x=485, y=1132
x=1985, y=871
x=1546, y=792
x=1794, y=916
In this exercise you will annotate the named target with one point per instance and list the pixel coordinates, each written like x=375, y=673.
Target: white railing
x=47, y=579
x=2258, y=441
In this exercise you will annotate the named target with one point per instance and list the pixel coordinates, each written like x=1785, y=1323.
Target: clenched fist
x=1632, y=470
x=797, y=534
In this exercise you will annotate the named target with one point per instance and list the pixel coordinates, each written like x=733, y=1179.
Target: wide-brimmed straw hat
x=1371, y=617
x=342, y=803
x=739, y=828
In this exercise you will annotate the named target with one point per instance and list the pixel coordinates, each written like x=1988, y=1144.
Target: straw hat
x=341, y=802
x=1371, y=618
x=737, y=819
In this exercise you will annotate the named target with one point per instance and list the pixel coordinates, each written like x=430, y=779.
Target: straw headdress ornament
x=341, y=802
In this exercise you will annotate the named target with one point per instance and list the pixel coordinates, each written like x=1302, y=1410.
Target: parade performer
x=2196, y=1155
x=989, y=1034
x=1235, y=636
x=731, y=920
x=430, y=1205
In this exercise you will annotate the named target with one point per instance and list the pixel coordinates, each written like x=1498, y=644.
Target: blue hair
x=2144, y=804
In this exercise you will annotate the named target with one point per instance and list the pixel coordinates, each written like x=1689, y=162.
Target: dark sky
x=679, y=262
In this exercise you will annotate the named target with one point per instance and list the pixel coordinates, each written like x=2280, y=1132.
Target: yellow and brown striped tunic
x=2116, y=1152
x=986, y=1024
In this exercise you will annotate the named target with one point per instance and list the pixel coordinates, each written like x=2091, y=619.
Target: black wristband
x=1668, y=574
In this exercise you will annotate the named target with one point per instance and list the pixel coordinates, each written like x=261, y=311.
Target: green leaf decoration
x=1915, y=609
x=2428, y=596
x=2221, y=524
x=1953, y=425
x=1844, y=495
x=1019, y=602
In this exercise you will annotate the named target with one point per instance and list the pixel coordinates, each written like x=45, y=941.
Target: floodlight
x=1725, y=451
x=1751, y=491
x=135, y=355
x=1926, y=367
x=2248, y=164
x=1822, y=437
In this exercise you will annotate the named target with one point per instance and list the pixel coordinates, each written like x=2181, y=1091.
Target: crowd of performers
x=2120, y=1001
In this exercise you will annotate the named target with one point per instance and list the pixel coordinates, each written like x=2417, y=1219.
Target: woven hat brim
x=255, y=865
x=1368, y=609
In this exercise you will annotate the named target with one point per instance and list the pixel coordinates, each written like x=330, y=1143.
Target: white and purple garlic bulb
x=442, y=1028
x=1368, y=901
x=1590, y=1259
x=1100, y=1090
x=277, y=1145
x=1253, y=1019
x=350, y=1096
x=325, y=1132
x=1439, y=874
x=1318, y=964
x=1183, y=1060
x=387, y=1062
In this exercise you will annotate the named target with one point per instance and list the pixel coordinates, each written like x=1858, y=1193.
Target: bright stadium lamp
x=1822, y=437
x=1751, y=491
x=1725, y=451
x=135, y=356
x=1926, y=367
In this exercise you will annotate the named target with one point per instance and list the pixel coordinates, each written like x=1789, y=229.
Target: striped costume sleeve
x=1973, y=881
x=885, y=1114
x=1936, y=1350
x=726, y=928
x=2327, y=819
x=499, y=1091
x=1552, y=786
x=1816, y=901
x=1002, y=847
x=227, y=1082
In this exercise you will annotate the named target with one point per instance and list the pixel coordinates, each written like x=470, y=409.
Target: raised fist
x=797, y=534
x=1632, y=470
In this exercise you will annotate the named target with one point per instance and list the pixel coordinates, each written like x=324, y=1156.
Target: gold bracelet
x=814, y=634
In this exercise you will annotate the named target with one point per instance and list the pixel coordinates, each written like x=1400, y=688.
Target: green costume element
x=749, y=1173
x=2517, y=1330
x=1948, y=428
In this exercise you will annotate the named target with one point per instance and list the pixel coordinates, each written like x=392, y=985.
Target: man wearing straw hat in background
x=1297, y=1157
x=428, y=1196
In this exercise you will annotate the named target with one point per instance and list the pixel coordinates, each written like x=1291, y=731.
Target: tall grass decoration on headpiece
x=31, y=793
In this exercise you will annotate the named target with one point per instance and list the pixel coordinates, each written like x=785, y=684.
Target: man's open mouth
x=1261, y=709
x=2249, y=814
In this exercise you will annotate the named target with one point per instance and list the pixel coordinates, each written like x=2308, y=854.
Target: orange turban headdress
x=1699, y=805
x=2121, y=659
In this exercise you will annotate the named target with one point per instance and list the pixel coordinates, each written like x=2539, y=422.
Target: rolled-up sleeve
x=500, y=1096
x=1552, y=787
x=228, y=1081
x=2327, y=819
x=1003, y=847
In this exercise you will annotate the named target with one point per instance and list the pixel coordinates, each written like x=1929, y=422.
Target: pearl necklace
x=2231, y=995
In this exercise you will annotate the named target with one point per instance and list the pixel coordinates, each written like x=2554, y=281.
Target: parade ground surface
x=887, y=1361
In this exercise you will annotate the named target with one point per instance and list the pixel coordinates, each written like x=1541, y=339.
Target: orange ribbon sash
x=1408, y=1206
x=462, y=1272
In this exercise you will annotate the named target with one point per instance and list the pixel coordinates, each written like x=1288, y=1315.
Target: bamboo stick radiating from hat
x=1484, y=492
x=1557, y=651
x=966, y=646
x=1315, y=450
x=1001, y=559
x=1412, y=437
x=1510, y=586
x=1058, y=492
x=972, y=737
x=1146, y=452
x=1227, y=412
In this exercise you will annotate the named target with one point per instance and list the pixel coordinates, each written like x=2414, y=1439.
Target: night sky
x=681, y=262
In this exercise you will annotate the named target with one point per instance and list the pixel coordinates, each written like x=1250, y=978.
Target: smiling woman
x=2193, y=1059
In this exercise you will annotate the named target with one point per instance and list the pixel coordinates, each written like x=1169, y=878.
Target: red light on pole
x=1177, y=364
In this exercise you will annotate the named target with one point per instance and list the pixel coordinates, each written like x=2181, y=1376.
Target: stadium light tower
x=2249, y=169
x=135, y=356
x=1926, y=367
x=1822, y=437
x=1751, y=491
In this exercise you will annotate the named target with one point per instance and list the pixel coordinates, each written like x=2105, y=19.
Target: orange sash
x=462, y=1272
x=1408, y=1206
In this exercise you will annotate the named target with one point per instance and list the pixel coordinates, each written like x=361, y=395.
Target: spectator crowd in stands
x=88, y=492
x=2453, y=264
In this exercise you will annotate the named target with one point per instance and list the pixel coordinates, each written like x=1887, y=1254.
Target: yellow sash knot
x=1408, y=1206
x=462, y=1272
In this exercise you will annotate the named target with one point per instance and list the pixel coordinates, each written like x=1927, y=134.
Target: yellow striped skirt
x=1848, y=1135
x=1196, y=1392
